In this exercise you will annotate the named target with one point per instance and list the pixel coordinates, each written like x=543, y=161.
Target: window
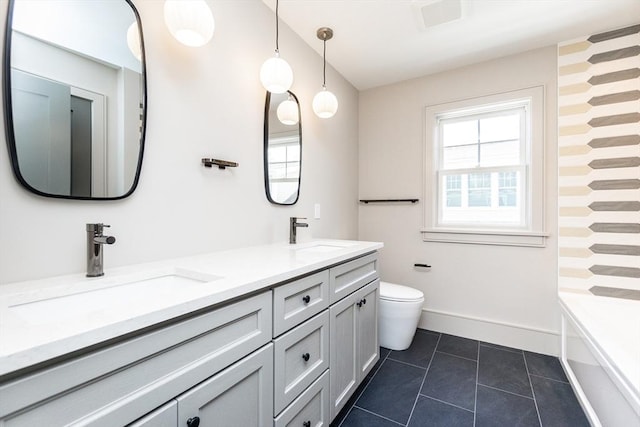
x=485, y=174
x=283, y=160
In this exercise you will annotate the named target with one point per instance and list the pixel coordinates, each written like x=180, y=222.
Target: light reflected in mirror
x=282, y=148
x=76, y=105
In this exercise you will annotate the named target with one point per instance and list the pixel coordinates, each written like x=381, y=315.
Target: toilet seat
x=393, y=292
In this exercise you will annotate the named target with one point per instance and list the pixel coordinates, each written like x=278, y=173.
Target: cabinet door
x=241, y=395
x=165, y=416
x=343, y=352
x=367, y=314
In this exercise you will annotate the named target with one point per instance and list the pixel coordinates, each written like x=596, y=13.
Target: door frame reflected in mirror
x=131, y=183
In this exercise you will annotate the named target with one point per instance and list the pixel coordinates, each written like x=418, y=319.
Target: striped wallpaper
x=599, y=162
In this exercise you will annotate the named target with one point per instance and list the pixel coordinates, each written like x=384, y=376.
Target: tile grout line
x=475, y=398
x=407, y=363
x=446, y=403
x=506, y=391
x=424, y=378
x=364, y=388
x=377, y=415
x=549, y=378
x=533, y=392
x=455, y=355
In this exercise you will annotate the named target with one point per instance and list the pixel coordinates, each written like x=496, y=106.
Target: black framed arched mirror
x=282, y=148
x=75, y=97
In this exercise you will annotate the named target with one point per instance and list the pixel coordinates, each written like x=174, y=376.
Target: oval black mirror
x=75, y=97
x=282, y=148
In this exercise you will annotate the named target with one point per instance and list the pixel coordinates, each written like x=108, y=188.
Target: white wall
x=501, y=294
x=202, y=102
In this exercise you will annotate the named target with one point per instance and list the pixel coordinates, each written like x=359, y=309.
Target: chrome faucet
x=293, y=227
x=95, y=240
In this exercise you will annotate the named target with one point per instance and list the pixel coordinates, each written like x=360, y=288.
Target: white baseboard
x=495, y=332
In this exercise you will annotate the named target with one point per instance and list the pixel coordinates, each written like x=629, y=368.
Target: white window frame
x=529, y=233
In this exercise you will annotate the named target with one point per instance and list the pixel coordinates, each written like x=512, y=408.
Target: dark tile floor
x=444, y=380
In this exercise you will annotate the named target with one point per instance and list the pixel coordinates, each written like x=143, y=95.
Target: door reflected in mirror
x=76, y=105
x=282, y=148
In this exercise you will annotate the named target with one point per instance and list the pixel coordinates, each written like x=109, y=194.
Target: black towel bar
x=366, y=201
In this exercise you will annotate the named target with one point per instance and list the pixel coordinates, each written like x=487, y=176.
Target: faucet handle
x=96, y=227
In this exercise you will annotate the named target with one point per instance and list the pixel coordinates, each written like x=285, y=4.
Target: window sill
x=485, y=237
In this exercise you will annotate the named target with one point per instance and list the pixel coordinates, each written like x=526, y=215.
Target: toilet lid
x=391, y=291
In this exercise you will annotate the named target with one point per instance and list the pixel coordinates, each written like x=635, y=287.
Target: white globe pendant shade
x=288, y=112
x=189, y=21
x=325, y=104
x=276, y=75
x=133, y=40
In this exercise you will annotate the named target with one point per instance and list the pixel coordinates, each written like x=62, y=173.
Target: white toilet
x=398, y=316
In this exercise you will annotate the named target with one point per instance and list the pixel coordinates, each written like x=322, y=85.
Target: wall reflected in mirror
x=282, y=148
x=76, y=105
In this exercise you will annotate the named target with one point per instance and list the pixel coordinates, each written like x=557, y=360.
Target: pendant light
x=325, y=103
x=287, y=112
x=133, y=40
x=275, y=74
x=189, y=21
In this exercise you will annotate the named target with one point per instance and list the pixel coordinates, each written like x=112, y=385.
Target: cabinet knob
x=306, y=424
x=306, y=357
x=193, y=422
x=359, y=303
x=364, y=300
x=306, y=299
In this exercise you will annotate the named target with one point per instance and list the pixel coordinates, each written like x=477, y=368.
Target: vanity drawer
x=312, y=406
x=300, y=356
x=299, y=300
x=351, y=276
x=118, y=384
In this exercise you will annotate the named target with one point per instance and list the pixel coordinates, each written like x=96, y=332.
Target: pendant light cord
x=324, y=63
x=277, y=30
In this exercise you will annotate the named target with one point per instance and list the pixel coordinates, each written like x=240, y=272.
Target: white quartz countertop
x=44, y=319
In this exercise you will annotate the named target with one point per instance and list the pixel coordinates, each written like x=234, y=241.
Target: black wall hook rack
x=222, y=164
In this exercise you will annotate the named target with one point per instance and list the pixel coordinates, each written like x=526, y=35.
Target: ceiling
x=378, y=42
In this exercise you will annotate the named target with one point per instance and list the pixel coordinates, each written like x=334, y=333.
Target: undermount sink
x=321, y=248
x=145, y=292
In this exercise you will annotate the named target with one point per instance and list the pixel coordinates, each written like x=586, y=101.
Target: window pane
x=465, y=156
x=277, y=153
x=500, y=128
x=293, y=169
x=479, y=189
x=454, y=198
x=277, y=170
x=500, y=153
x=507, y=197
x=454, y=182
x=459, y=133
x=508, y=188
x=293, y=152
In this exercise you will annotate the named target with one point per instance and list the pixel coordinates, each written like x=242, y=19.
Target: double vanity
x=269, y=335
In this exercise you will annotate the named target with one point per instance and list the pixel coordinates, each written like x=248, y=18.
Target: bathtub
x=601, y=356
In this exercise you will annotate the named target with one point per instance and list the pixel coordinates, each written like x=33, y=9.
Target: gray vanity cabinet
x=120, y=383
x=353, y=343
x=165, y=416
x=241, y=395
x=289, y=356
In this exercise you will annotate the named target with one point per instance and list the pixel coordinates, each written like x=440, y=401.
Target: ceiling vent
x=438, y=12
